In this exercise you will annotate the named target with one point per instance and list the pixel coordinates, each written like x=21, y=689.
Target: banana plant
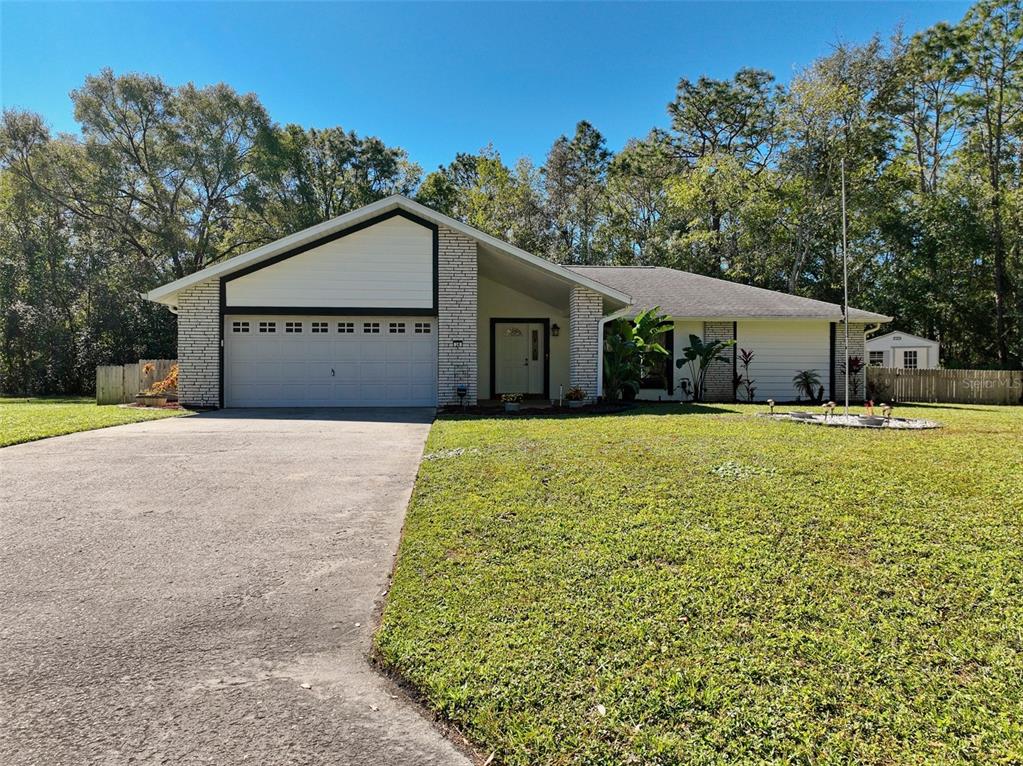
x=632, y=349
x=698, y=356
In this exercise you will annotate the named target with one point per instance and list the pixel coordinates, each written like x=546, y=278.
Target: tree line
x=741, y=182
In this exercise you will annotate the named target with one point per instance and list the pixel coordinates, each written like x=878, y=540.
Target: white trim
x=904, y=334
x=164, y=294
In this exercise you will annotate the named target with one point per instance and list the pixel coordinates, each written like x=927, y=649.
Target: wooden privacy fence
x=118, y=383
x=958, y=386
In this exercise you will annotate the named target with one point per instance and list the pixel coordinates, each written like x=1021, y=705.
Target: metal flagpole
x=845, y=295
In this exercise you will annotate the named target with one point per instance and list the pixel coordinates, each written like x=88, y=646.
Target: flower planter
x=574, y=404
x=155, y=400
x=512, y=406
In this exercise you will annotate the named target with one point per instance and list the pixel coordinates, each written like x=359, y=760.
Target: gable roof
x=905, y=334
x=681, y=294
x=167, y=293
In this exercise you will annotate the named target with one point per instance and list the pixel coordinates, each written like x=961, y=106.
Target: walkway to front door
x=519, y=357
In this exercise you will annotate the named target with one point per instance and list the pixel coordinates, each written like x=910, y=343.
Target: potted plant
x=575, y=397
x=512, y=402
x=156, y=394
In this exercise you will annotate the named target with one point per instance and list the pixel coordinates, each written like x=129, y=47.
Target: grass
x=25, y=420
x=708, y=588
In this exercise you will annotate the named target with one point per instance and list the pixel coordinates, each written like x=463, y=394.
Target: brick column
x=857, y=347
x=456, y=317
x=719, y=383
x=199, y=344
x=584, y=313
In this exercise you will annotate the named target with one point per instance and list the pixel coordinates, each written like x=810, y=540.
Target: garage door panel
x=397, y=351
x=341, y=364
x=372, y=371
x=423, y=352
x=346, y=351
x=372, y=351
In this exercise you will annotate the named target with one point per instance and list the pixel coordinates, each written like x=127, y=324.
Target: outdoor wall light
x=555, y=330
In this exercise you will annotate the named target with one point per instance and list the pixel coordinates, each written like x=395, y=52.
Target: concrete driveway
x=203, y=590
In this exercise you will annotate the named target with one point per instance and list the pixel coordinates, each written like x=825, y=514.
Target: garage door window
x=268, y=327
x=909, y=360
x=292, y=327
x=346, y=328
x=371, y=327
x=319, y=327
x=239, y=327
x=396, y=328
x=422, y=328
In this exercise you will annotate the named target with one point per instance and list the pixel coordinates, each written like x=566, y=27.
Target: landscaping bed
x=672, y=586
x=28, y=419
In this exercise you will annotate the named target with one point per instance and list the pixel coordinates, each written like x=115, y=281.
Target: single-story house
x=394, y=304
x=904, y=351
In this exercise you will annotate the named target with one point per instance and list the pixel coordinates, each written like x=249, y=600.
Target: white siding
x=782, y=348
x=388, y=265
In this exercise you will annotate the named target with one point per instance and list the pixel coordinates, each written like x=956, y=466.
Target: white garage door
x=313, y=361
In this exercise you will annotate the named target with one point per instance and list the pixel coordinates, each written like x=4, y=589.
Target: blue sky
x=434, y=78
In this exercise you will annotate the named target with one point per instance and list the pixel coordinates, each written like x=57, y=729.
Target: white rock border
x=855, y=421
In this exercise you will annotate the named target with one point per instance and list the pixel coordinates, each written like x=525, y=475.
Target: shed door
x=330, y=361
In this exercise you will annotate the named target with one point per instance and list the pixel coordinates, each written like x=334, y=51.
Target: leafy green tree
x=993, y=49
x=640, y=223
x=305, y=177
x=574, y=181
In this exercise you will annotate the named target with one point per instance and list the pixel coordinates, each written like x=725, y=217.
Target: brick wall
x=719, y=383
x=199, y=344
x=456, y=317
x=585, y=310
x=857, y=347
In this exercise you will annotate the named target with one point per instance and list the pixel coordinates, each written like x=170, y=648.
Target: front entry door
x=519, y=357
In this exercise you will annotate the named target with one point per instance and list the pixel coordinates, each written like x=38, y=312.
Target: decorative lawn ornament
x=829, y=409
x=770, y=406
x=886, y=411
x=869, y=408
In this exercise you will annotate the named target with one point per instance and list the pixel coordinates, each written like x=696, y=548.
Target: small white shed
x=902, y=350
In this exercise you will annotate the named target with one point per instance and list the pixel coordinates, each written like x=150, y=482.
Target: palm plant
x=806, y=382
x=698, y=355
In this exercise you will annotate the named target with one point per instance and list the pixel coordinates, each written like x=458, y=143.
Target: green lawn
x=665, y=588
x=25, y=420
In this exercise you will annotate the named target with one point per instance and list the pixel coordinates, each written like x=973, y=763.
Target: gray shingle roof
x=681, y=294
